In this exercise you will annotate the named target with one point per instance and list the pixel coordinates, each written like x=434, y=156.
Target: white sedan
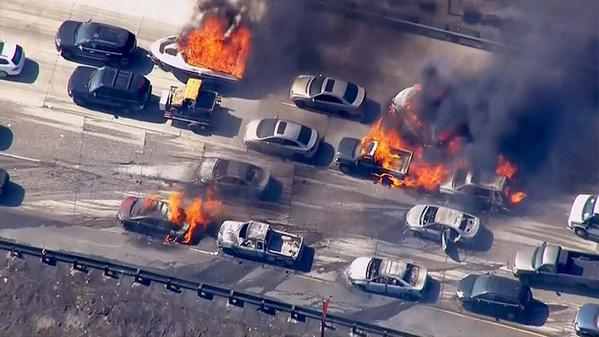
x=432, y=221
x=12, y=59
x=388, y=277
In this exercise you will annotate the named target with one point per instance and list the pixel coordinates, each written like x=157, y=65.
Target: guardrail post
x=140, y=279
x=357, y=331
x=110, y=273
x=47, y=258
x=233, y=300
x=266, y=309
x=16, y=253
x=172, y=287
x=297, y=316
x=204, y=294
x=80, y=267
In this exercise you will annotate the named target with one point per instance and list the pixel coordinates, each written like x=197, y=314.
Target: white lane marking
x=487, y=321
x=215, y=253
x=9, y=155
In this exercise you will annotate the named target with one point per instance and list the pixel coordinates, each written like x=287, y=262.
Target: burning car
x=169, y=219
x=214, y=50
x=483, y=187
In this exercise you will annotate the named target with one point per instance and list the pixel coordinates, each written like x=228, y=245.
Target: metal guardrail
x=373, y=12
x=204, y=290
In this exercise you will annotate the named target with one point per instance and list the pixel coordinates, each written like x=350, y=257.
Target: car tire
x=79, y=101
x=510, y=316
x=581, y=232
x=300, y=104
x=66, y=54
x=344, y=168
x=417, y=234
x=3, y=74
x=227, y=251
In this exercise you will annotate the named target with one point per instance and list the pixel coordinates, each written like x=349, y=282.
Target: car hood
x=251, y=130
x=358, y=268
x=66, y=33
x=414, y=214
x=449, y=217
x=523, y=260
x=228, y=232
x=124, y=211
x=577, y=206
x=206, y=168
x=587, y=317
x=300, y=86
x=79, y=80
x=466, y=284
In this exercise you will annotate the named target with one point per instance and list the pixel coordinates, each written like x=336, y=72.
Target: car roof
x=121, y=79
x=448, y=217
x=334, y=86
x=257, y=230
x=485, y=284
x=485, y=180
x=232, y=168
x=108, y=34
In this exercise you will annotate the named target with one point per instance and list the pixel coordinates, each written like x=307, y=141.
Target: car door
x=377, y=285
x=593, y=226
x=291, y=147
x=433, y=231
x=88, y=50
x=328, y=102
x=396, y=287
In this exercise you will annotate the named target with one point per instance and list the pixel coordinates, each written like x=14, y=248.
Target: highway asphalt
x=71, y=167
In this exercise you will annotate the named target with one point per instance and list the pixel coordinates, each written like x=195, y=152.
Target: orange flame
x=505, y=168
x=517, y=197
x=175, y=212
x=207, y=47
x=200, y=213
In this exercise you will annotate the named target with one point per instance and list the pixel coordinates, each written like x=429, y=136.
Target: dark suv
x=95, y=41
x=109, y=87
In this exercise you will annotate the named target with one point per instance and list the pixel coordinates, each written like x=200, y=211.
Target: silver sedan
x=328, y=94
x=432, y=221
x=234, y=177
x=281, y=137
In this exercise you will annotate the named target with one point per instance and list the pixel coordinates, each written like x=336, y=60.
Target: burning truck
x=217, y=50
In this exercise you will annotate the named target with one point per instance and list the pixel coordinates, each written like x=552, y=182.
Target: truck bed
x=583, y=265
x=284, y=244
x=400, y=161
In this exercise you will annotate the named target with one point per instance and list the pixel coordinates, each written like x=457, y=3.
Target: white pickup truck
x=258, y=240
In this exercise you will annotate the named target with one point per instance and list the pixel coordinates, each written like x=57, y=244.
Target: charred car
x=355, y=155
x=258, y=240
x=151, y=217
x=484, y=188
x=431, y=222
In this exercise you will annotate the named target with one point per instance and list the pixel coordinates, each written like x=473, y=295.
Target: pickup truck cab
x=355, y=154
x=584, y=216
x=484, y=188
x=258, y=240
x=556, y=265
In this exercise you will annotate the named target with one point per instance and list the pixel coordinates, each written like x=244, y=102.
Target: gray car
x=234, y=176
x=587, y=321
x=325, y=93
x=281, y=137
x=431, y=221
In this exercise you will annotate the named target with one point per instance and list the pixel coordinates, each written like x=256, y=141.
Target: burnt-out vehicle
x=361, y=156
x=485, y=189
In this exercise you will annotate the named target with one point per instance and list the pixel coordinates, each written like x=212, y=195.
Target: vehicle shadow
x=6, y=137
x=303, y=265
x=30, y=73
x=323, y=157
x=536, y=314
x=273, y=190
x=481, y=243
x=13, y=195
x=225, y=123
x=151, y=113
x=140, y=62
x=372, y=110
x=432, y=291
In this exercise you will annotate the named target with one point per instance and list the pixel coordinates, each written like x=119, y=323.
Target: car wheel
x=227, y=251
x=511, y=316
x=344, y=168
x=300, y=104
x=78, y=101
x=581, y=232
x=417, y=234
x=3, y=74
x=66, y=54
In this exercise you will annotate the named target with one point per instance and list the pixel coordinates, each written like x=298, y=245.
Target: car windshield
x=316, y=86
x=243, y=231
x=304, y=135
x=18, y=54
x=459, y=179
x=351, y=92
x=464, y=222
x=220, y=168
x=85, y=32
x=254, y=174
x=589, y=206
x=373, y=268
x=266, y=128
x=95, y=80
x=429, y=215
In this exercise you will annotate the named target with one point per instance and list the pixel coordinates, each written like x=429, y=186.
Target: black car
x=95, y=41
x=494, y=294
x=587, y=321
x=109, y=87
x=3, y=181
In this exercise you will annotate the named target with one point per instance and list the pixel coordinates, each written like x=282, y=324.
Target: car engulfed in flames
x=425, y=174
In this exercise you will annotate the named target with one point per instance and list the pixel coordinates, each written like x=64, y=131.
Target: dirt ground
x=41, y=300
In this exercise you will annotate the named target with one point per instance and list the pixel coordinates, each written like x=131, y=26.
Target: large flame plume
x=214, y=47
x=197, y=215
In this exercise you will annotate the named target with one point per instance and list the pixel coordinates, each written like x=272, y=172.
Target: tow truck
x=361, y=155
x=190, y=105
